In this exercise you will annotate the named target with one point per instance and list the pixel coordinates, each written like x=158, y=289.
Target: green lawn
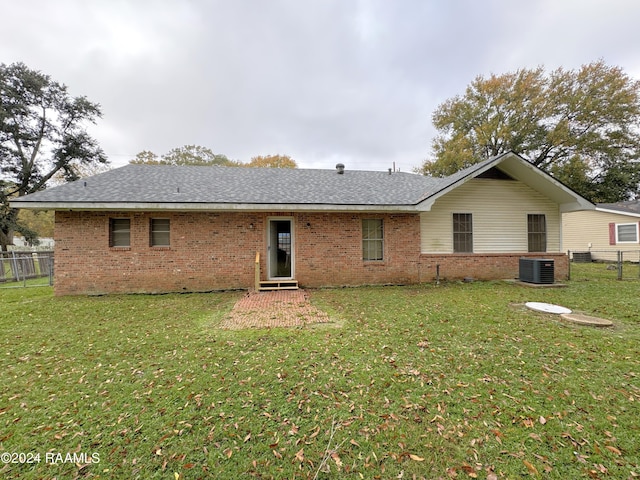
x=449, y=381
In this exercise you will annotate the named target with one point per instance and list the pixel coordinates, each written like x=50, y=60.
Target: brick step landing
x=266, y=285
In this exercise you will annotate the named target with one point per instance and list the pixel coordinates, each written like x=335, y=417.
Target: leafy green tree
x=195, y=155
x=582, y=126
x=203, y=156
x=274, y=161
x=186, y=155
x=146, y=157
x=42, y=133
x=38, y=221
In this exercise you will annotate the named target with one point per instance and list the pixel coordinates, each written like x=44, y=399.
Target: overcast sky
x=324, y=81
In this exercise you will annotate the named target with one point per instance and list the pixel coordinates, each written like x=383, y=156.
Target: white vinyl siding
x=589, y=230
x=499, y=208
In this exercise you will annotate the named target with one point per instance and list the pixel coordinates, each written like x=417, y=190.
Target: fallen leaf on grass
x=469, y=470
x=601, y=468
x=613, y=449
x=416, y=458
x=532, y=469
x=580, y=458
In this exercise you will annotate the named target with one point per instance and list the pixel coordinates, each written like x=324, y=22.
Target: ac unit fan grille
x=536, y=270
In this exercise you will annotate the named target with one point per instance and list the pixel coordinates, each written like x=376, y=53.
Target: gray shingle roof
x=632, y=206
x=190, y=187
x=232, y=185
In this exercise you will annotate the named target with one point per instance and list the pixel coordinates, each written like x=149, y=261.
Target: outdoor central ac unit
x=536, y=270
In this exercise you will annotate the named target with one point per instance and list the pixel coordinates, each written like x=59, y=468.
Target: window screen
x=627, y=232
x=160, y=229
x=120, y=232
x=537, y=232
x=372, y=239
x=462, y=232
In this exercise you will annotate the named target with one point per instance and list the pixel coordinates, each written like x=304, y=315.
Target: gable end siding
x=499, y=210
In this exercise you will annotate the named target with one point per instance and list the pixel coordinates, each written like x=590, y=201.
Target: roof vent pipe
x=340, y=168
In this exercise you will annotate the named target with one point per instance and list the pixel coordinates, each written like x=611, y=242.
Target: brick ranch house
x=149, y=228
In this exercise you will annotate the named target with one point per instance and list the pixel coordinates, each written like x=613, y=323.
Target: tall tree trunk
x=7, y=228
x=4, y=240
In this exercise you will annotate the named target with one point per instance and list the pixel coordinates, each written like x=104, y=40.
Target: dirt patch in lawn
x=281, y=308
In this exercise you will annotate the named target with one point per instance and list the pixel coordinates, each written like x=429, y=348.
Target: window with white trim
x=626, y=233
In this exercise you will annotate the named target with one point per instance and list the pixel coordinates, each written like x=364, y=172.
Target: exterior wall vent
x=536, y=270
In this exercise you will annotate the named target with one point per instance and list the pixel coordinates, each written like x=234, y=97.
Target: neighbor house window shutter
x=612, y=234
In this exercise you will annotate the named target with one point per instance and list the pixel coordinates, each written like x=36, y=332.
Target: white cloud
x=321, y=80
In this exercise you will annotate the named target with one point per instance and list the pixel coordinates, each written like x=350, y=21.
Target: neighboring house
x=147, y=228
x=602, y=232
x=43, y=243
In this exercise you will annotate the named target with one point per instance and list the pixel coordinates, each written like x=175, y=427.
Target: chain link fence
x=608, y=264
x=26, y=269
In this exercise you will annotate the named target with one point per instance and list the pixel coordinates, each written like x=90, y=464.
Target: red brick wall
x=215, y=251
x=485, y=266
x=208, y=251
x=329, y=250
